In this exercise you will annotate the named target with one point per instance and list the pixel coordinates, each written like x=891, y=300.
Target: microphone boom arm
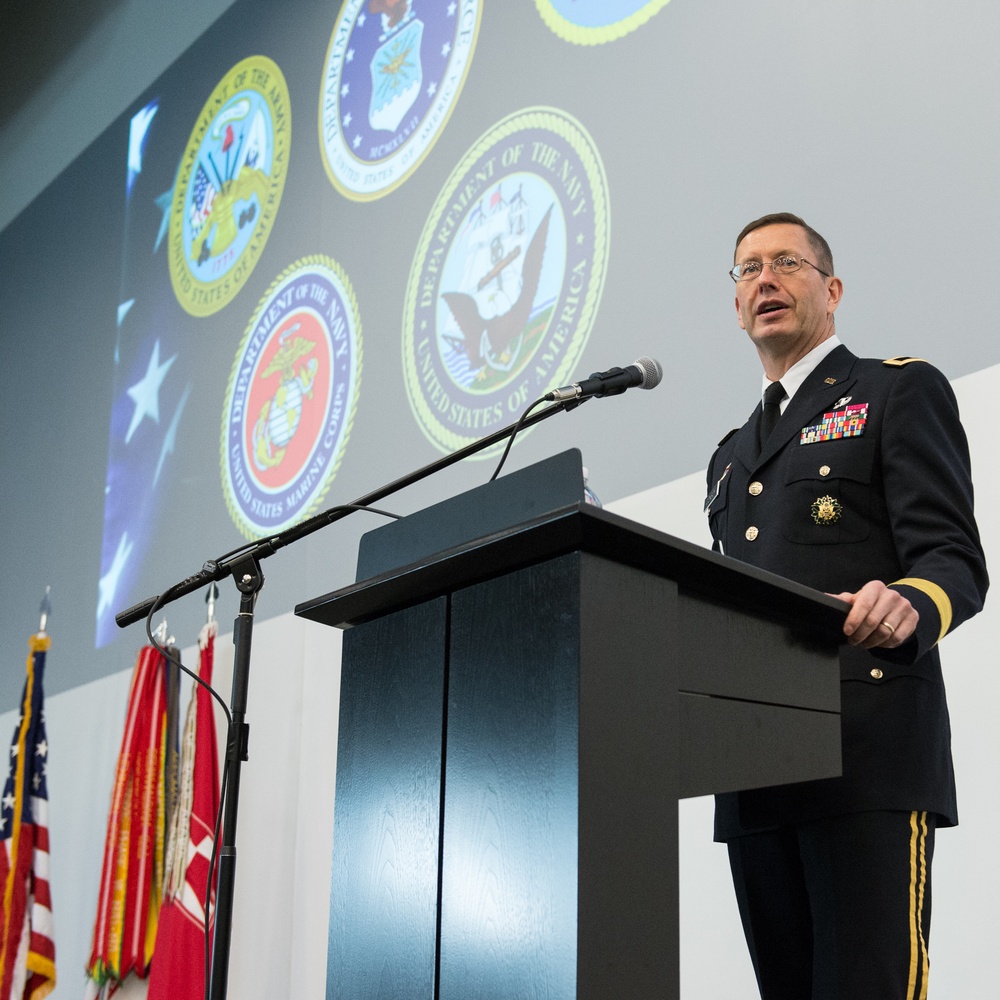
x=219, y=569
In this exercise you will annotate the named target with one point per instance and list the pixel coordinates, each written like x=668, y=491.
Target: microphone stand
x=244, y=566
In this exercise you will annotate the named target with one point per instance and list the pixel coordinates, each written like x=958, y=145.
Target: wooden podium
x=521, y=708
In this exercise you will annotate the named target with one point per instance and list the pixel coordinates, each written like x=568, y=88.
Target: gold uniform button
x=756, y=489
x=876, y=673
x=824, y=470
x=751, y=533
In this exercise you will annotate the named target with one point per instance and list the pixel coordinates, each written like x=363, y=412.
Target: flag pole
x=219, y=569
x=249, y=580
x=44, y=610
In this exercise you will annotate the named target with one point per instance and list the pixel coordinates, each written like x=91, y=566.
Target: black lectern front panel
x=509, y=877
x=384, y=886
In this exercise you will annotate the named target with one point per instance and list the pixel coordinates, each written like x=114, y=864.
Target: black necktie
x=773, y=395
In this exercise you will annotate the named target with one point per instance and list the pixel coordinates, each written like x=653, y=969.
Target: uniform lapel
x=745, y=443
x=826, y=383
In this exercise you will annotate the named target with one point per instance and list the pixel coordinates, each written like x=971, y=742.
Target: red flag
x=128, y=901
x=178, y=970
x=27, y=945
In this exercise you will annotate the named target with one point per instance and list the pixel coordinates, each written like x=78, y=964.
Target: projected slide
x=333, y=242
x=356, y=236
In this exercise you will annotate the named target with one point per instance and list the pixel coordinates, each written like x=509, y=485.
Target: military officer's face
x=787, y=314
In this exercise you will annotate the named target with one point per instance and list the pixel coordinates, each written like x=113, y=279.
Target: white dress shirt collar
x=801, y=370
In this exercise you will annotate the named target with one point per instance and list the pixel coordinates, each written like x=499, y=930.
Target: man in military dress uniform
x=852, y=477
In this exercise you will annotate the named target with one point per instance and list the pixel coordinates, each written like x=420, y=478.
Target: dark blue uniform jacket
x=888, y=500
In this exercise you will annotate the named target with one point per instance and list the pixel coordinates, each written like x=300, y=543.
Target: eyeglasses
x=786, y=264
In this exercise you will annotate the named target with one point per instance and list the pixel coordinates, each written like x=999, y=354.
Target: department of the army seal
x=229, y=185
x=393, y=72
x=291, y=399
x=507, y=276
x=591, y=22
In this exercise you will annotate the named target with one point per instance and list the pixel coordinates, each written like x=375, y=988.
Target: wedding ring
x=891, y=628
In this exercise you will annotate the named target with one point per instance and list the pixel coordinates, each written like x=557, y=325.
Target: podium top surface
x=580, y=527
x=551, y=484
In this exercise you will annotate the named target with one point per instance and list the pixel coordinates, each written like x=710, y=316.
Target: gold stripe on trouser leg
x=918, y=878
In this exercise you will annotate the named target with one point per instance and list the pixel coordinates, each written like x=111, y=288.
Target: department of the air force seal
x=507, y=276
x=229, y=185
x=393, y=72
x=591, y=22
x=291, y=398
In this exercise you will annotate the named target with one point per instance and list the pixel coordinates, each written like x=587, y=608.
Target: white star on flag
x=170, y=438
x=164, y=202
x=146, y=392
x=137, y=130
x=123, y=310
x=108, y=583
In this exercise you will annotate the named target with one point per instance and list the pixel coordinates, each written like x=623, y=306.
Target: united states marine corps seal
x=393, y=72
x=291, y=399
x=229, y=185
x=591, y=22
x=507, y=276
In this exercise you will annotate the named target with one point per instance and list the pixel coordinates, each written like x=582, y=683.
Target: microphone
x=646, y=373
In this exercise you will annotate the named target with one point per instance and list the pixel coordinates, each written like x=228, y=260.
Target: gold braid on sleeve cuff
x=941, y=600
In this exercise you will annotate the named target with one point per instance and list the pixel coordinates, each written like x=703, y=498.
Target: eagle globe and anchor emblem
x=292, y=397
x=279, y=416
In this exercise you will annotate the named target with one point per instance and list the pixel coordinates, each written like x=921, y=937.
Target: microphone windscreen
x=652, y=372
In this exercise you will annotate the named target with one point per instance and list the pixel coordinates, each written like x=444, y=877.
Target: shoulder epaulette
x=902, y=361
x=727, y=437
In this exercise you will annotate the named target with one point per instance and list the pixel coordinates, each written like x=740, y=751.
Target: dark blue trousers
x=838, y=909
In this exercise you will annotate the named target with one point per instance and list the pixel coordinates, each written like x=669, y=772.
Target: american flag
x=27, y=944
